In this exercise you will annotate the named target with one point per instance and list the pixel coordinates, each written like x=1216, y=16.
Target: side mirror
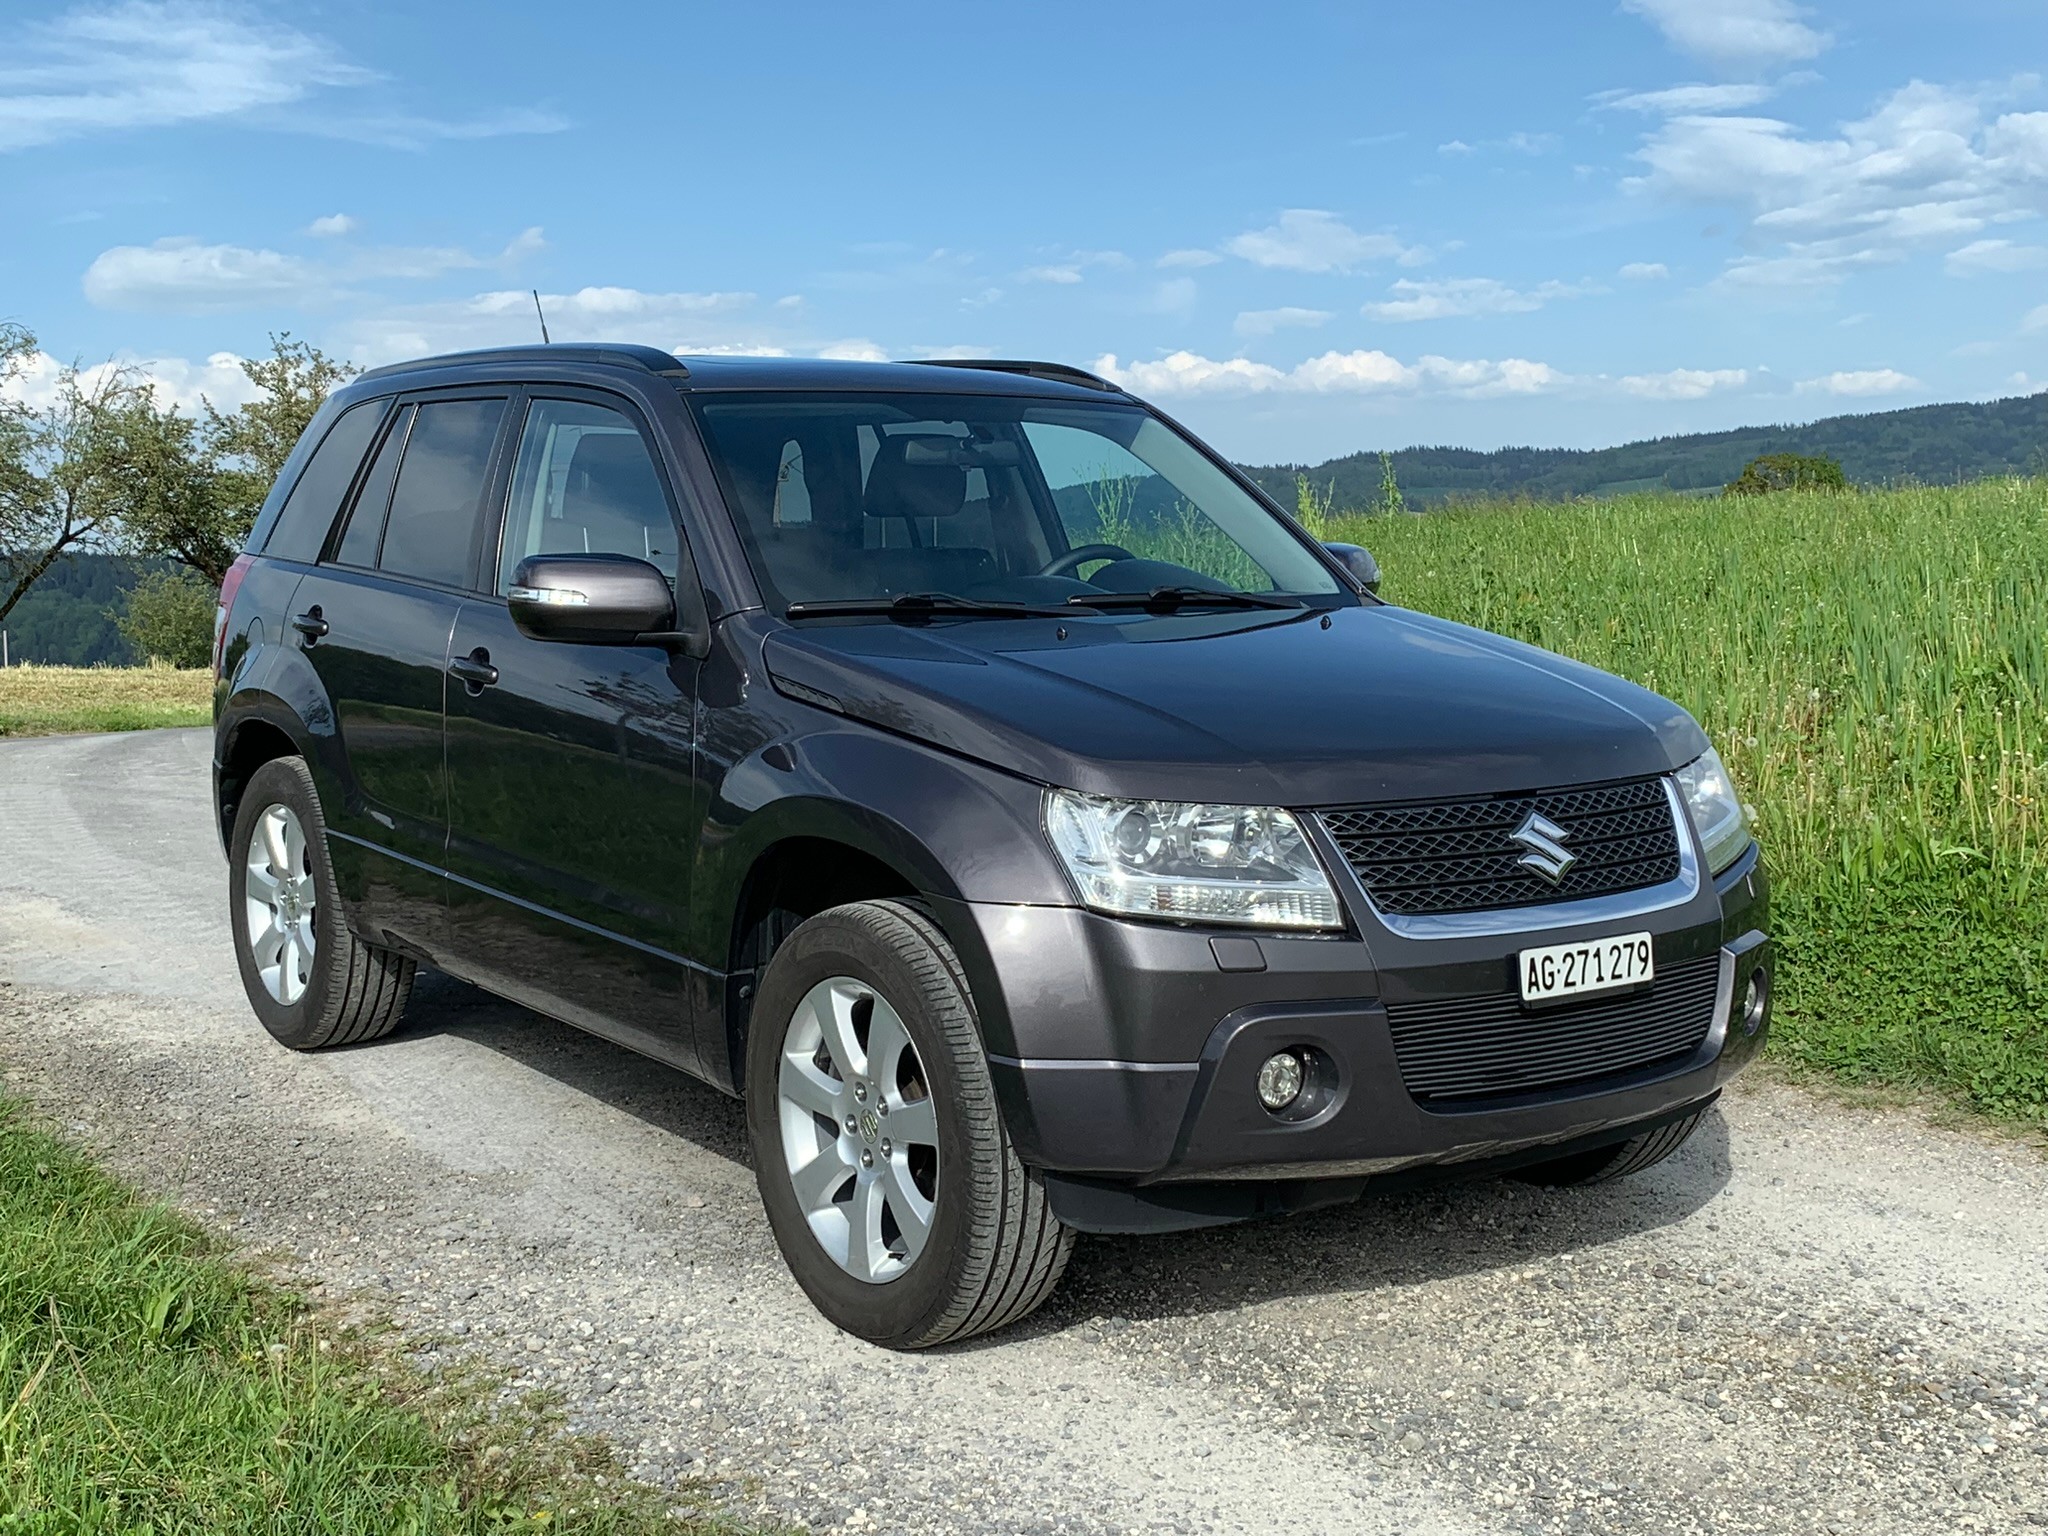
x=1358, y=560
x=595, y=599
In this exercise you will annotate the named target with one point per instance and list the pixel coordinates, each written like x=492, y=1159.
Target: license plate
x=1578, y=970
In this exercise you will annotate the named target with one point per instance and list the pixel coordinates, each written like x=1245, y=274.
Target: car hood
x=1379, y=703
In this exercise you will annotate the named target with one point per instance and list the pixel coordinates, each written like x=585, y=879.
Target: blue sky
x=1304, y=229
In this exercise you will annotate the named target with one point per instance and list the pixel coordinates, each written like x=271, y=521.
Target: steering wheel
x=1074, y=559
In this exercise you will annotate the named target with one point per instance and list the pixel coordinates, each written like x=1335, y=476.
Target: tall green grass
x=1874, y=667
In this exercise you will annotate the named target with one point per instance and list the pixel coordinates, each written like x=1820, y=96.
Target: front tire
x=312, y=982
x=888, y=1178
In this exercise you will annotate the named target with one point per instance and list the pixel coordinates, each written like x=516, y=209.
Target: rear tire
x=884, y=1167
x=1616, y=1162
x=312, y=982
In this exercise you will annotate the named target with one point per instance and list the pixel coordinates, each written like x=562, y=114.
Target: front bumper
x=1127, y=1052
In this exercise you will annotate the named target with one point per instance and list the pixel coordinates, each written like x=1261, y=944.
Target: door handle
x=310, y=624
x=475, y=670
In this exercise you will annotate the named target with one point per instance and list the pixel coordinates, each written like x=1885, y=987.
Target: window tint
x=309, y=511
x=366, y=522
x=585, y=484
x=431, y=532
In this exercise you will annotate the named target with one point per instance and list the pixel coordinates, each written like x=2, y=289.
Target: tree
x=168, y=618
x=1769, y=472
x=211, y=476
x=72, y=469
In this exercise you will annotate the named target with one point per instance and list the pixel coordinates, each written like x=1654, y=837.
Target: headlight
x=1716, y=810
x=1199, y=863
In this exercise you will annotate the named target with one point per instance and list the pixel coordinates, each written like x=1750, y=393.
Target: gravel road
x=1815, y=1318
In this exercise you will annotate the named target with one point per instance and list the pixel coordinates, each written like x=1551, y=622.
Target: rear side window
x=366, y=523
x=323, y=484
x=432, y=527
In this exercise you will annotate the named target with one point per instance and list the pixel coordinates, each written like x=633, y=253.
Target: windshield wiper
x=924, y=605
x=1166, y=599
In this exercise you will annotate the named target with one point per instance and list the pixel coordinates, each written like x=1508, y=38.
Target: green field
x=148, y=1384
x=1874, y=667
x=46, y=701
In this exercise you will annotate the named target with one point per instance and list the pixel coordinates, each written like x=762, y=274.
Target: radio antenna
x=543, y=317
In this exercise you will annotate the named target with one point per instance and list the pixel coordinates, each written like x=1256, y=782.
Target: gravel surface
x=1812, y=1319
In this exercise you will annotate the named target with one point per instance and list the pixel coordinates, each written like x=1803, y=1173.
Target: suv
x=984, y=780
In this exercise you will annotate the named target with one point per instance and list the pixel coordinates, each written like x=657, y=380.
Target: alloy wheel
x=860, y=1134
x=279, y=901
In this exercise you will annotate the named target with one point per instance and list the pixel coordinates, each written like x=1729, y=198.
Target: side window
x=435, y=503
x=585, y=484
x=322, y=486
x=366, y=523
x=792, y=492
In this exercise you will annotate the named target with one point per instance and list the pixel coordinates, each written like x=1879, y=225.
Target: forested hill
x=1930, y=444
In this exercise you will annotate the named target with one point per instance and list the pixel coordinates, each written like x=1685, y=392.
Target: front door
x=573, y=802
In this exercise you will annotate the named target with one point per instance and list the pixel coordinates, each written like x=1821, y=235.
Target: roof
x=989, y=376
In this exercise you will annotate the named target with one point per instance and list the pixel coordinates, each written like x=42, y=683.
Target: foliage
x=1390, y=500
x=1874, y=667
x=245, y=450
x=1312, y=507
x=168, y=618
x=71, y=470
x=1928, y=444
x=146, y=1384
x=1769, y=472
x=49, y=701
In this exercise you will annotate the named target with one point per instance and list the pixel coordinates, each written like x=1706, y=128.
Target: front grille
x=1459, y=855
x=1481, y=1047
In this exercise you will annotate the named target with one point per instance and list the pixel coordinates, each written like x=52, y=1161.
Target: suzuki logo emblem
x=1544, y=839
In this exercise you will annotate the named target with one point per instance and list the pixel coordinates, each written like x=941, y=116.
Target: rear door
x=573, y=802
x=375, y=619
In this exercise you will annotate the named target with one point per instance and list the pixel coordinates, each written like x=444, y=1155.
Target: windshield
x=997, y=498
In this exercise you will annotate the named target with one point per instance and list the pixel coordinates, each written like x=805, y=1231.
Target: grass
x=1874, y=667
x=150, y=1384
x=46, y=701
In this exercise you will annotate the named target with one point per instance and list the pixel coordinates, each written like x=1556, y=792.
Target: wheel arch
x=255, y=733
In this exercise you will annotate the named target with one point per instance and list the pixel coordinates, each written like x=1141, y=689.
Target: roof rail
x=620, y=354
x=1064, y=373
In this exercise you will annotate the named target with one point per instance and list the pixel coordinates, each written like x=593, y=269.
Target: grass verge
x=149, y=1383
x=47, y=701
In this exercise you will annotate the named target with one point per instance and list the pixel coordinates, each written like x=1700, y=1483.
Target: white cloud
x=1454, y=297
x=1683, y=383
x=1454, y=147
x=1687, y=99
x=1264, y=322
x=1925, y=167
x=1733, y=34
x=332, y=225
x=2036, y=319
x=856, y=349
x=681, y=322
x=141, y=64
x=1981, y=256
x=1173, y=296
x=182, y=275
x=1645, y=271
x=145, y=65
x=177, y=381
x=1860, y=383
x=1060, y=274
x=1188, y=258
x=1069, y=269
x=1316, y=240
x=1362, y=372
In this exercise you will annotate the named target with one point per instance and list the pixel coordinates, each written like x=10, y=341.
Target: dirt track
x=1812, y=1319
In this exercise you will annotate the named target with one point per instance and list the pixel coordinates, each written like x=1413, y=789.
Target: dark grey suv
x=980, y=776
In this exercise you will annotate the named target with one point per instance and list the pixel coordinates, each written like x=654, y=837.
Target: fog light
x=1755, y=998
x=1280, y=1080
